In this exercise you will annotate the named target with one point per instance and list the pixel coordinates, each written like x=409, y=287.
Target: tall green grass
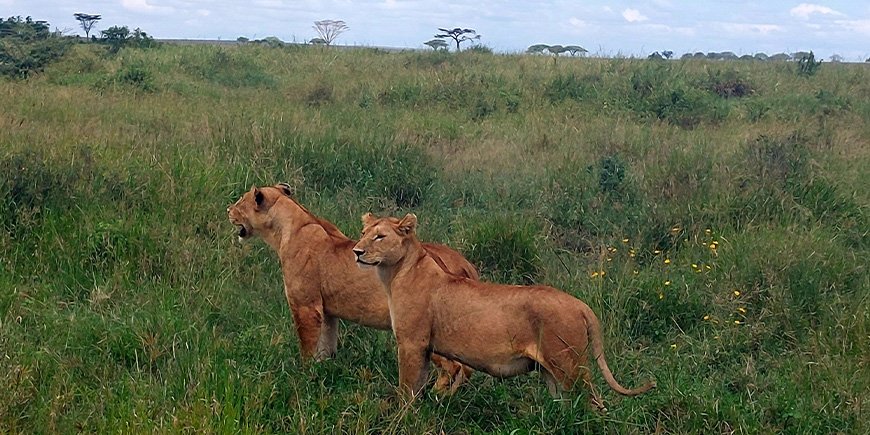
x=714, y=215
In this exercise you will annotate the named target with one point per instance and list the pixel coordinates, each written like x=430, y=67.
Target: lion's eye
x=379, y=237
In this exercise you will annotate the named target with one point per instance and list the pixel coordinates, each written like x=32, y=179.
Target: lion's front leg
x=328, y=342
x=308, y=321
x=413, y=368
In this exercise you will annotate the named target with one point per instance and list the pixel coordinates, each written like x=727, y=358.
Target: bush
x=27, y=46
x=807, y=65
x=137, y=76
x=117, y=37
x=728, y=84
x=237, y=68
x=585, y=205
x=396, y=172
x=656, y=90
x=504, y=248
x=569, y=86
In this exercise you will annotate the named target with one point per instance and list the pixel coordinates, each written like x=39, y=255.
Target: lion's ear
x=408, y=224
x=285, y=189
x=258, y=196
x=368, y=219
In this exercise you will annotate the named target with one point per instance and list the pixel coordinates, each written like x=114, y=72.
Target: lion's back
x=451, y=261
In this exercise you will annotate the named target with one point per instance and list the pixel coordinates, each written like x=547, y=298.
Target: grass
x=714, y=215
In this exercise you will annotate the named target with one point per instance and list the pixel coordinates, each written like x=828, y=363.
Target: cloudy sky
x=630, y=28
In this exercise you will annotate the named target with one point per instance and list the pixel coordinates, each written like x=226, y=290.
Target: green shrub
x=660, y=312
x=571, y=87
x=396, y=172
x=587, y=204
x=27, y=46
x=118, y=37
x=807, y=65
x=504, y=247
x=136, y=76
x=235, y=68
x=728, y=84
x=657, y=90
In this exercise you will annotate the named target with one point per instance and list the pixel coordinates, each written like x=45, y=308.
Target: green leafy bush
x=504, y=247
x=27, y=46
x=808, y=66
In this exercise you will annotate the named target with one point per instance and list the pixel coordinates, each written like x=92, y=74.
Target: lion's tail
x=594, y=330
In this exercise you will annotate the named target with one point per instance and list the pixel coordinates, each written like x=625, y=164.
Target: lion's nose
x=358, y=251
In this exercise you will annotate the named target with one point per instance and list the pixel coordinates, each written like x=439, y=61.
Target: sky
x=610, y=28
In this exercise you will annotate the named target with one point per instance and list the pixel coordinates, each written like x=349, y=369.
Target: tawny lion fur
x=502, y=330
x=322, y=282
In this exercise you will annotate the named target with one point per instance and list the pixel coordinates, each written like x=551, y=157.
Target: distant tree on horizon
x=459, y=35
x=87, y=21
x=575, y=49
x=537, y=48
x=329, y=30
x=436, y=44
x=556, y=49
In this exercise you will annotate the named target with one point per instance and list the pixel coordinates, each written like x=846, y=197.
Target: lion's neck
x=405, y=266
x=287, y=219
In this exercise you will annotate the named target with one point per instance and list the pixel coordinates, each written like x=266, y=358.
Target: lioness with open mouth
x=322, y=282
x=499, y=329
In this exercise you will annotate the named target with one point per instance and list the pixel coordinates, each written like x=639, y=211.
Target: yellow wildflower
x=668, y=282
x=737, y=322
x=593, y=274
x=742, y=310
x=707, y=317
x=625, y=240
x=657, y=252
x=674, y=346
x=708, y=231
x=667, y=261
x=694, y=266
x=736, y=292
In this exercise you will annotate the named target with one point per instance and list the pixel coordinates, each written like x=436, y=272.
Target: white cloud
x=607, y=9
x=203, y=12
x=144, y=6
x=804, y=10
x=7, y=2
x=633, y=15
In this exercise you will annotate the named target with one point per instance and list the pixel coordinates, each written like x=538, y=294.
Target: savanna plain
x=714, y=214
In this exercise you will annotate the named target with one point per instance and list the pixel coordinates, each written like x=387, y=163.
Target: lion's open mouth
x=243, y=232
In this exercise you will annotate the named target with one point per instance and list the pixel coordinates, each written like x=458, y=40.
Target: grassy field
x=713, y=214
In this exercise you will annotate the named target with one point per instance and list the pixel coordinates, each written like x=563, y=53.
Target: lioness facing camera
x=322, y=282
x=503, y=330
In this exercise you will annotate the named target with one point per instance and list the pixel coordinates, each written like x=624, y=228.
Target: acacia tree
x=556, y=49
x=436, y=44
x=330, y=29
x=458, y=35
x=537, y=48
x=575, y=49
x=87, y=21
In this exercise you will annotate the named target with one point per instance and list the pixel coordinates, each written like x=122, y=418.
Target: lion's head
x=384, y=240
x=251, y=212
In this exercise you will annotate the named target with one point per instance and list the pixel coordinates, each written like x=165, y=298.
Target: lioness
x=502, y=330
x=322, y=282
